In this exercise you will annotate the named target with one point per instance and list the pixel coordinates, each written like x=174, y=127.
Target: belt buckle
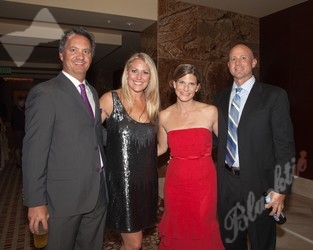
x=234, y=171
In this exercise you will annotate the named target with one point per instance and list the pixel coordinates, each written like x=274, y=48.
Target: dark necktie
x=85, y=98
x=233, y=120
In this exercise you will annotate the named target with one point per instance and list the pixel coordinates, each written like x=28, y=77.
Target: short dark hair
x=77, y=31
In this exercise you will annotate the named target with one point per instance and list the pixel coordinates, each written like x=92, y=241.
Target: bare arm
x=162, y=136
x=211, y=116
x=215, y=121
x=106, y=105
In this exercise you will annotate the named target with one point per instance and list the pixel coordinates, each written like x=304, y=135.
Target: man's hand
x=276, y=203
x=37, y=215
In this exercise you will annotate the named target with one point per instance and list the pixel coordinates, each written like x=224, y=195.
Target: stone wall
x=202, y=36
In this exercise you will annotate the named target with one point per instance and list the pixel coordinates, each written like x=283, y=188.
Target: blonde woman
x=130, y=114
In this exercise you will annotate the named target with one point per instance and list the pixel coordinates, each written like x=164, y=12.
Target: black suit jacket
x=61, y=149
x=265, y=140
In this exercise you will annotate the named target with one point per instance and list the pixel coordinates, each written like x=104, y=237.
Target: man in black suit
x=262, y=160
x=63, y=157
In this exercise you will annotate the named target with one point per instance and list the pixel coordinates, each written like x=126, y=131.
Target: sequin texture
x=132, y=171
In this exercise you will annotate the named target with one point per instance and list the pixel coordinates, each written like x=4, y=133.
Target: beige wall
x=146, y=9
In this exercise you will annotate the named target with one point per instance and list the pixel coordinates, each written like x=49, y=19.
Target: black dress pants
x=243, y=218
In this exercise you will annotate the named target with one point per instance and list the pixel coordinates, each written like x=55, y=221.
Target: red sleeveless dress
x=190, y=199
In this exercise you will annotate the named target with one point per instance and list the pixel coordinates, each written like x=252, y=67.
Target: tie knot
x=82, y=86
x=238, y=90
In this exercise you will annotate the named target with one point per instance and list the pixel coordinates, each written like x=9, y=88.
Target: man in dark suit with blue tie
x=256, y=156
x=63, y=156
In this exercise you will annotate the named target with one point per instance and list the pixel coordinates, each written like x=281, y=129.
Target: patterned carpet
x=14, y=233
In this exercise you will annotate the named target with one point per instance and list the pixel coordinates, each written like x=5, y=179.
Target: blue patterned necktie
x=233, y=119
x=85, y=99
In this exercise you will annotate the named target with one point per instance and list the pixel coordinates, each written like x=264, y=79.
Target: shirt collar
x=247, y=86
x=73, y=79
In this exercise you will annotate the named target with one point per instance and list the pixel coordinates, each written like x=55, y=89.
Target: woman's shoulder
x=206, y=106
x=207, y=110
x=106, y=103
x=166, y=113
x=167, y=110
x=109, y=95
x=212, y=108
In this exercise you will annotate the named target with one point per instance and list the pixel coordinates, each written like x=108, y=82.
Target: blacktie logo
x=35, y=32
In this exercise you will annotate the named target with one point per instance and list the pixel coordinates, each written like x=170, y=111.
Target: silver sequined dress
x=131, y=171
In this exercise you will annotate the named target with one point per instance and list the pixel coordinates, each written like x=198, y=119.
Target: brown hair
x=185, y=69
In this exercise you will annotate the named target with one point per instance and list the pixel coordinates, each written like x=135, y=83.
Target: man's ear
x=254, y=62
x=61, y=56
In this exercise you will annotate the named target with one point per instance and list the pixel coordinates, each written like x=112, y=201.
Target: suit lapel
x=71, y=90
x=225, y=105
x=251, y=102
x=95, y=98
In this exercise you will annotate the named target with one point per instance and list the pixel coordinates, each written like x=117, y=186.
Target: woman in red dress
x=186, y=127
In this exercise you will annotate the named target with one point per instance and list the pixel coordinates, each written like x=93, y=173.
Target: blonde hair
x=151, y=92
